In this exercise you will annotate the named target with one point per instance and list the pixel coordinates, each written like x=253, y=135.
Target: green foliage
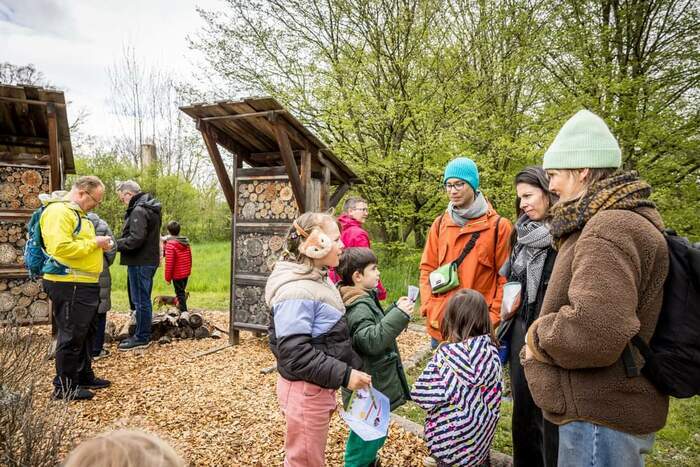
x=399, y=88
x=200, y=211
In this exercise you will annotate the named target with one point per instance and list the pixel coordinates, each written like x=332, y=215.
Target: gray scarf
x=530, y=253
x=477, y=209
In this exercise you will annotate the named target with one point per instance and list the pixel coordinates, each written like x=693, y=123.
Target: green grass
x=208, y=285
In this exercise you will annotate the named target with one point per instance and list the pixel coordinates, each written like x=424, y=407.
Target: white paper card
x=413, y=292
x=368, y=414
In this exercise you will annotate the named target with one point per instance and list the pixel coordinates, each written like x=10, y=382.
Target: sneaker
x=429, y=462
x=103, y=353
x=132, y=344
x=77, y=394
x=96, y=383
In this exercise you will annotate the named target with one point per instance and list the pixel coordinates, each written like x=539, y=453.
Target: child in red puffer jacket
x=178, y=262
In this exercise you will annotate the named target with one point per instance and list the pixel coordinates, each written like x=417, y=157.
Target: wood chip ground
x=216, y=410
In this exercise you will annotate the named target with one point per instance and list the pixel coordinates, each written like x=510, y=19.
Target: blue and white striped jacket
x=460, y=389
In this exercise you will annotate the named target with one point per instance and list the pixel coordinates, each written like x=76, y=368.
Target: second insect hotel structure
x=280, y=169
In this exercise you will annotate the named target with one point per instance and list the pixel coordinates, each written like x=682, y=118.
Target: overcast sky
x=73, y=42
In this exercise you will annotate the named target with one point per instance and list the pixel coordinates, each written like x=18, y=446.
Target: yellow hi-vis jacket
x=79, y=253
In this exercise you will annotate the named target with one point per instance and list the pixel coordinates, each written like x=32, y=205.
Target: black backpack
x=672, y=357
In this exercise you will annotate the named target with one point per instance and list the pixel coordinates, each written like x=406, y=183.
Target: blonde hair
x=306, y=223
x=124, y=448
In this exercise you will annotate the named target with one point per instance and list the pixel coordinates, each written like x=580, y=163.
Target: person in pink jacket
x=353, y=235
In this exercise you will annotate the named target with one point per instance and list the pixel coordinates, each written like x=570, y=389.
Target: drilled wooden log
x=195, y=320
x=202, y=332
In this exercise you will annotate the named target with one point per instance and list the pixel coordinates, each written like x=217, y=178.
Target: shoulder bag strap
x=469, y=246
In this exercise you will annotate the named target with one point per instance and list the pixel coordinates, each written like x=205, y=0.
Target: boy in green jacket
x=373, y=334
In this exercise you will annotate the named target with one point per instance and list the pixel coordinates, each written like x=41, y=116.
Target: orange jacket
x=478, y=271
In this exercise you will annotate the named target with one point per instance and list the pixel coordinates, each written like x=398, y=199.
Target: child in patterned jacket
x=461, y=387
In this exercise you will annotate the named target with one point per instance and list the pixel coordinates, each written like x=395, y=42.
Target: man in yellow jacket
x=70, y=241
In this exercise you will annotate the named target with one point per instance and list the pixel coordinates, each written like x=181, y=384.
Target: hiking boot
x=133, y=344
x=96, y=383
x=103, y=353
x=76, y=394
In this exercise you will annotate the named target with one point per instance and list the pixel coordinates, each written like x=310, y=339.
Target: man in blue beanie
x=468, y=216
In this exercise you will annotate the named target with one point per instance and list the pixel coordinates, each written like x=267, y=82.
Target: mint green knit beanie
x=584, y=142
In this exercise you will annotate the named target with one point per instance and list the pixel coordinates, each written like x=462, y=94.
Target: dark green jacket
x=374, y=334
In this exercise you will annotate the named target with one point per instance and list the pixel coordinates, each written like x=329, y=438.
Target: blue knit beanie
x=465, y=169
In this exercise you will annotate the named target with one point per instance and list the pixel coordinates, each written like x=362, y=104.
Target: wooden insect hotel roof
x=34, y=126
x=262, y=133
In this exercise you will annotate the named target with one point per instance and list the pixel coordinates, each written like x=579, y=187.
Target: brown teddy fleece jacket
x=606, y=286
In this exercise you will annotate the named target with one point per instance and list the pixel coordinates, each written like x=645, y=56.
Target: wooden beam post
x=339, y=192
x=306, y=177
x=326, y=189
x=219, y=167
x=54, y=148
x=291, y=165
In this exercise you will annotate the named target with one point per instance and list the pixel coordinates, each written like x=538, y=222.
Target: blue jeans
x=587, y=444
x=140, y=287
x=434, y=343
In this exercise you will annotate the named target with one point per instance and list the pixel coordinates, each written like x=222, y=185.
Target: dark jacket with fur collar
x=606, y=286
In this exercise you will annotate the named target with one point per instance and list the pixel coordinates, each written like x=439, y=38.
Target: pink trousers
x=307, y=408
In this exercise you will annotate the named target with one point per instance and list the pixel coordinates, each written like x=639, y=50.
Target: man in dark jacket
x=139, y=246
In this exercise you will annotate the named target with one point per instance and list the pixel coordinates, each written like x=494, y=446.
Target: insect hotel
x=35, y=155
x=279, y=170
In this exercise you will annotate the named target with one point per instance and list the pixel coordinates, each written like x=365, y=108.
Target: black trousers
x=535, y=440
x=180, y=286
x=74, y=308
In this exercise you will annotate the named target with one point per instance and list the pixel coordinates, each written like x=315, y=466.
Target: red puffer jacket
x=178, y=258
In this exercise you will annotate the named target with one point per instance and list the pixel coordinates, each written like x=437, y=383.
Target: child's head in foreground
x=124, y=448
x=466, y=315
x=358, y=267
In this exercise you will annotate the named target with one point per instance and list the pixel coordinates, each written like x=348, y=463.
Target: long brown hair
x=467, y=315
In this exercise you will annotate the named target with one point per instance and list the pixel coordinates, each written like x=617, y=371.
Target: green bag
x=446, y=278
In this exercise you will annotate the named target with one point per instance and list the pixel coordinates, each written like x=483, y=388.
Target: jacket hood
x=285, y=272
x=470, y=369
x=352, y=294
x=145, y=200
x=59, y=197
x=180, y=239
x=346, y=222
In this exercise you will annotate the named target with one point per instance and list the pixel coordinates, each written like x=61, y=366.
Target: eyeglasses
x=92, y=197
x=457, y=186
x=361, y=209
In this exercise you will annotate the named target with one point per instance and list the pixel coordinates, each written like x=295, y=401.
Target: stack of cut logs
x=166, y=327
x=22, y=300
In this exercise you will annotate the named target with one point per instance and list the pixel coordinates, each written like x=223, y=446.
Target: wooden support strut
x=325, y=189
x=306, y=177
x=54, y=148
x=291, y=165
x=339, y=192
x=219, y=167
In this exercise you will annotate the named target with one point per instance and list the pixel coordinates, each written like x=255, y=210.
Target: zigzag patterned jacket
x=460, y=389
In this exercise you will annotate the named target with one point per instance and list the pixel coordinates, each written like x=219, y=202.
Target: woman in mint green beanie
x=606, y=287
x=468, y=212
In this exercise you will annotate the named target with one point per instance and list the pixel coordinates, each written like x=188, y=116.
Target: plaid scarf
x=623, y=191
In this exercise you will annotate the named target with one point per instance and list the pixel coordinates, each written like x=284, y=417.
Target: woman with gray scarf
x=535, y=440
